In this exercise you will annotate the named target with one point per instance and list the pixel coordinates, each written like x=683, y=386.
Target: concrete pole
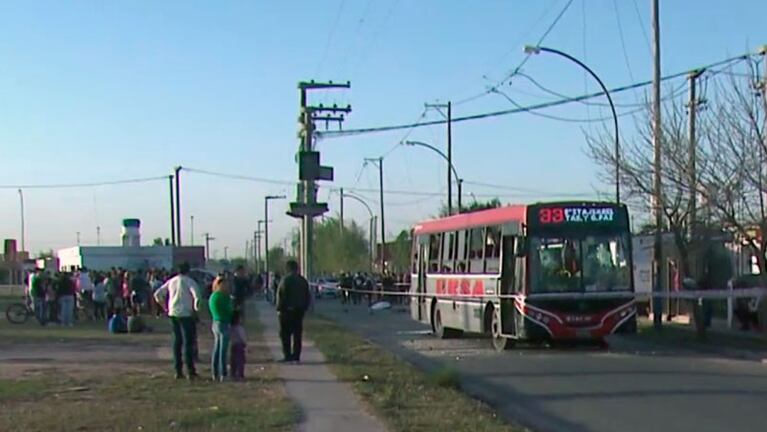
x=172, y=212
x=657, y=166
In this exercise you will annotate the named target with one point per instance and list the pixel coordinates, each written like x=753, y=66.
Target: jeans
x=183, y=335
x=99, y=309
x=291, y=330
x=39, y=308
x=67, y=310
x=238, y=361
x=220, y=348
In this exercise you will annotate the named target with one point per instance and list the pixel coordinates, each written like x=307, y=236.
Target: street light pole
x=208, y=239
x=21, y=202
x=372, y=221
x=266, y=232
x=379, y=163
x=537, y=50
x=451, y=167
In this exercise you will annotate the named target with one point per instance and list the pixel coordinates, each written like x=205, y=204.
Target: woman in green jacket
x=220, y=305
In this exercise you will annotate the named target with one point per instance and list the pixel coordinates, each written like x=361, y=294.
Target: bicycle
x=19, y=313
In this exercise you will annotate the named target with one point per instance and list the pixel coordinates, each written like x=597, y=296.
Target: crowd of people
x=361, y=286
x=61, y=298
x=123, y=297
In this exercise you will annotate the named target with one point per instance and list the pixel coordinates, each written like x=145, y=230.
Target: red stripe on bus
x=496, y=216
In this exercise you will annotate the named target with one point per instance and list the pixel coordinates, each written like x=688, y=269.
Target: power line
x=359, y=131
x=566, y=119
x=330, y=37
x=524, y=59
x=83, y=185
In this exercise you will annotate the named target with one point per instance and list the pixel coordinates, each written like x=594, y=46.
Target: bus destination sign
x=575, y=215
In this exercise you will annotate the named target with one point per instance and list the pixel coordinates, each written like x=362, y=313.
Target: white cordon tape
x=690, y=294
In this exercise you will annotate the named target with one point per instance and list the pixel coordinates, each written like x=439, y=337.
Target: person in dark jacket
x=293, y=299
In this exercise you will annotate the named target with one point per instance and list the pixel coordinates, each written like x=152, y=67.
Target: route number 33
x=551, y=215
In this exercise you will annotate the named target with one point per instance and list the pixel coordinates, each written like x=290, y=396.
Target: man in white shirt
x=180, y=297
x=84, y=283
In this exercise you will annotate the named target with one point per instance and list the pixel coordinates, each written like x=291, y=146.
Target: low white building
x=131, y=255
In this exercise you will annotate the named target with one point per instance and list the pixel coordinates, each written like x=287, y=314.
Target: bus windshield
x=583, y=264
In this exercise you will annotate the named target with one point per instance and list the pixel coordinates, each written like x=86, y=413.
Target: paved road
x=583, y=389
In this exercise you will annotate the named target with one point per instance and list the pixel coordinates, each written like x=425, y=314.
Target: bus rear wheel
x=500, y=342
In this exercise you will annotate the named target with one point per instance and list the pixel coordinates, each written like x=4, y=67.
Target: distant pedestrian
x=241, y=290
x=182, y=296
x=239, y=343
x=99, y=299
x=36, y=293
x=65, y=294
x=293, y=299
x=220, y=305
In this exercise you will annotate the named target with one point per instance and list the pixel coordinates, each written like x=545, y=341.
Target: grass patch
x=445, y=377
x=680, y=335
x=115, y=398
x=405, y=398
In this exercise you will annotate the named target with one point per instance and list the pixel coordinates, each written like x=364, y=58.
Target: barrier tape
x=689, y=294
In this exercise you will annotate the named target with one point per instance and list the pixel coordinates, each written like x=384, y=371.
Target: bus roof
x=490, y=217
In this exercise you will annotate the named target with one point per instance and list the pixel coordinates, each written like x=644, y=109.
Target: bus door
x=418, y=282
x=507, y=286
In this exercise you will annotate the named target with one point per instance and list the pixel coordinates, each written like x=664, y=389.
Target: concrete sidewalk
x=326, y=404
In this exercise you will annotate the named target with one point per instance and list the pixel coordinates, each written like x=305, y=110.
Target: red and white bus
x=543, y=271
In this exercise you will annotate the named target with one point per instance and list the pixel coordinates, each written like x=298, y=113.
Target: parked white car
x=327, y=288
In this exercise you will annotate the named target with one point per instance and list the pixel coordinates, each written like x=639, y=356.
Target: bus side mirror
x=520, y=247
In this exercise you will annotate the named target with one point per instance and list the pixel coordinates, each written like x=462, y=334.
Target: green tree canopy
x=339, y=250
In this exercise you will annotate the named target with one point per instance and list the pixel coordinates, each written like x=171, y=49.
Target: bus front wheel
x=439, y=328
x=500, y=342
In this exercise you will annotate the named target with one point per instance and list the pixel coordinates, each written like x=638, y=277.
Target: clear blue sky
x=95, y=90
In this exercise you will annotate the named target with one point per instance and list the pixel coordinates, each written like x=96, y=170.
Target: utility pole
x=208, y=239
x=78, y=238
x=226, y=253
x=449, y=116
x=657, y=304
x=382, y=257
x=23, y=230
x=342, y=211
x=191, y=230
x=309, y=170
x=172, y=213
x=98, y=236
x=178, y=205
x=692, y=106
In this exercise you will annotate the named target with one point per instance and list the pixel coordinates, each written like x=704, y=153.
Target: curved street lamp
x=450, y=165
x=372, y=222
x=537, y=50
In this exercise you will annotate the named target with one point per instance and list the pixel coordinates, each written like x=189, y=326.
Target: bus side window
x=435, y=247
x=476, y=250
x=414, y=255
x=448, y=252
x=462, y=246
x=493, y=250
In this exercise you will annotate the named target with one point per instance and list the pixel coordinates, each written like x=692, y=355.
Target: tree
x=636, y=173
x=157, y=241
x=732, y=181
x=278, y=259
x=340, y=250
x=400, y=253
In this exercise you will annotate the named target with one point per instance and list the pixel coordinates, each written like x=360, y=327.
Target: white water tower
x=131, y=234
